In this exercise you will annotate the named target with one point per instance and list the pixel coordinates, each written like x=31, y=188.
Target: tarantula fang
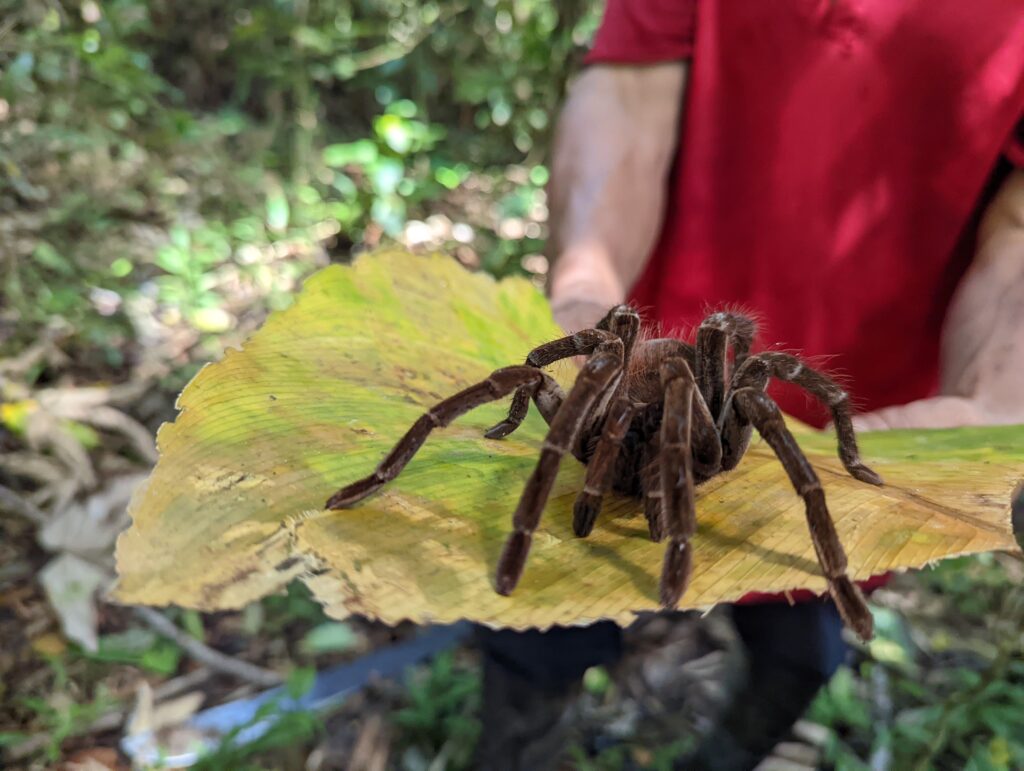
x=652, y=418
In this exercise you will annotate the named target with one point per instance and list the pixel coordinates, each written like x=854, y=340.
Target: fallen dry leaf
x=323, y=390
x=90, y=527
x=94, y=759
x=147, y=715
x=71, y=584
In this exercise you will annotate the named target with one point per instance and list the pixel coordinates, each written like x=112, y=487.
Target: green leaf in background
x=395, y=133
x=332, y=637
x=300, y=680
x=140, y=647
x=277, y=209
x=362, y=153
x=46, y=255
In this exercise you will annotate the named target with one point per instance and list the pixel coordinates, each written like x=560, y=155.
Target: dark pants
x=530, y=677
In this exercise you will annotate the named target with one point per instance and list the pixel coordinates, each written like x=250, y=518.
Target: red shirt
x=833, y=158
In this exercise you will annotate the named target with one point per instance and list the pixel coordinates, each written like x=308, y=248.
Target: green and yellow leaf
x=233, y=510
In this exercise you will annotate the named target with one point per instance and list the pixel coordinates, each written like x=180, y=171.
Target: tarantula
x=652, y=418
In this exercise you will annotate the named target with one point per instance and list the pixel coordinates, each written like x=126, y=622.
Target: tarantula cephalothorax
x=652, y=418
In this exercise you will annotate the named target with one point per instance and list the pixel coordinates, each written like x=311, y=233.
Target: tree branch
x=11, y=501
x=215, y=660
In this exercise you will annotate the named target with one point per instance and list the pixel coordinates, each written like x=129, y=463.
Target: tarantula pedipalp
x=652, y=418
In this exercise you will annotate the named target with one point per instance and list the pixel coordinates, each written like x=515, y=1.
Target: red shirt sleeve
x=644, y=32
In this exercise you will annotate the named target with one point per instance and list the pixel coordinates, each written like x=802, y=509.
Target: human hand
x=584, y=287
x=576, y=313
x=936, y=412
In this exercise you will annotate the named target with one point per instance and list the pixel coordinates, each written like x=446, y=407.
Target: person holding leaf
x=849, y=171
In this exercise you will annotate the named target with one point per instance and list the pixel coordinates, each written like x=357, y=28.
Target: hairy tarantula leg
x=678, y=514
x=650, y=481
x=548, y=396
x=734, y=433
x=704, y=439
x=714, y=336
x=579, y=344
x=706, y=457
x=596, y=376
x=601, y=467
x=757, y=407
x=498, y=384
x=785, y=366
x=625, y=321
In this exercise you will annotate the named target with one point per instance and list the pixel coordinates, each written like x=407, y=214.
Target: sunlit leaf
x=173, y=260
x=386, y=174
x=395, y=133
x=211, y=319
x=278, y=210
x=329, y=638
x=46, y=255
x=233, y=510
x=362, y=152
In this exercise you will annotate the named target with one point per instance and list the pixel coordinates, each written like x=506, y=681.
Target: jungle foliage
x=168, y=155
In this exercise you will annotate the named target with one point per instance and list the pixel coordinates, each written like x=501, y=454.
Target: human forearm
x=983, y=337
x=612, y=154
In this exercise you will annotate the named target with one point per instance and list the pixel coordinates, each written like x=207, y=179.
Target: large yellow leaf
x=233, y=509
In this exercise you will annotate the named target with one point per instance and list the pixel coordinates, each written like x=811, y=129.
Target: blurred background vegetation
x=169, y=172
x=188, y=162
